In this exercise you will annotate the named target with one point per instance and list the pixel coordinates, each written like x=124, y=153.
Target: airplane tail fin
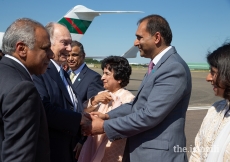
x=78, y=19
x=131, y=53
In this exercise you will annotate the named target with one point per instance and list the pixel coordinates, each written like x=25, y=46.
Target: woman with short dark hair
x=212, y=143
x=121, y=68
x=116, y=74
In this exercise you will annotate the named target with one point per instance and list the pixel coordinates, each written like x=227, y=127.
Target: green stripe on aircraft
x=80, y=24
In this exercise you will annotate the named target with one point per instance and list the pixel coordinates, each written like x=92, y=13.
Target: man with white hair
x=62, y=106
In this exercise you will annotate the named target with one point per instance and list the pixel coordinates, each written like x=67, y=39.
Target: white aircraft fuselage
x=79, y=18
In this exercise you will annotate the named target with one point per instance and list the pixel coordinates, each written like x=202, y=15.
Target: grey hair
x=50, y=29
x=23, y=30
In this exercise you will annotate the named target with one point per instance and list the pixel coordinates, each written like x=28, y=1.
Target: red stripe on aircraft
x=73, y=25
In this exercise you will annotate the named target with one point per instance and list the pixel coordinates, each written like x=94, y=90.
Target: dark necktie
x=62, y=75
x=70, y=93
x=151, y=64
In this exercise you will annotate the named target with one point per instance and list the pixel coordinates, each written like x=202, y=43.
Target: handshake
x=92, y=123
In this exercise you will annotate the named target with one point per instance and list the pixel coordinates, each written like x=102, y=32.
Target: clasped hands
x=92, y=123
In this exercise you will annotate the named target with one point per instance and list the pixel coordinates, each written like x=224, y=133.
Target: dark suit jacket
x=154, y=122
x=62, y=121
x=23, y=125
x=88, y=84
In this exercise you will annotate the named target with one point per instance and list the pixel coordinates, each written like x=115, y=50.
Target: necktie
x=151, y=64
x=71, y=76
x=62, y=74
x=69, y=90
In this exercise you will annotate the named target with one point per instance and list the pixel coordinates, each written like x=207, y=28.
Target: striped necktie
x=69, y=91
x=71, y=76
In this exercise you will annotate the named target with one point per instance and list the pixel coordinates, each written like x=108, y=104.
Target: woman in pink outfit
x=116, y=74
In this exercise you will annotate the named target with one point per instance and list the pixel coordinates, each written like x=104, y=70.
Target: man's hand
x=84, y=119
x=77, y=148
x=96, y=126
x=100, y=115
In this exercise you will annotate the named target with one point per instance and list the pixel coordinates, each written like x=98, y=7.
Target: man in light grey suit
x=154, y=122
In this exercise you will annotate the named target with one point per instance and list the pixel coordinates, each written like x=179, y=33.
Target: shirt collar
x=79, y=69
x=15, y=59
x=158, y=57
x=56, y=65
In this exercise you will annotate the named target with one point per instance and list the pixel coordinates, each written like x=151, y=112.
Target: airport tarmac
x=202, y=98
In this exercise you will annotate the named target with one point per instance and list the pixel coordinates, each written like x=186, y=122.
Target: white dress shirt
x=161, y=54
x=77, y=72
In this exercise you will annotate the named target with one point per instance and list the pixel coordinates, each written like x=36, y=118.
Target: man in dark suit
x=23, y=124
x=85, y=81
x=63, y=107
x=154, y=122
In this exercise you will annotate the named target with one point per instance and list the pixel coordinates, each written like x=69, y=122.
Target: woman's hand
x=103, y=97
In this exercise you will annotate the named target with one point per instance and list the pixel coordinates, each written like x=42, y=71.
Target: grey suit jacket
x=154, y=122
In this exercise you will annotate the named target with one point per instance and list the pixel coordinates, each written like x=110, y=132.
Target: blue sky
x=198, y=26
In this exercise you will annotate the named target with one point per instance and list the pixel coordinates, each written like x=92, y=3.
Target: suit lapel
x=171, y=51
x=80, y=77
x=142, y=83
x=52, y=70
